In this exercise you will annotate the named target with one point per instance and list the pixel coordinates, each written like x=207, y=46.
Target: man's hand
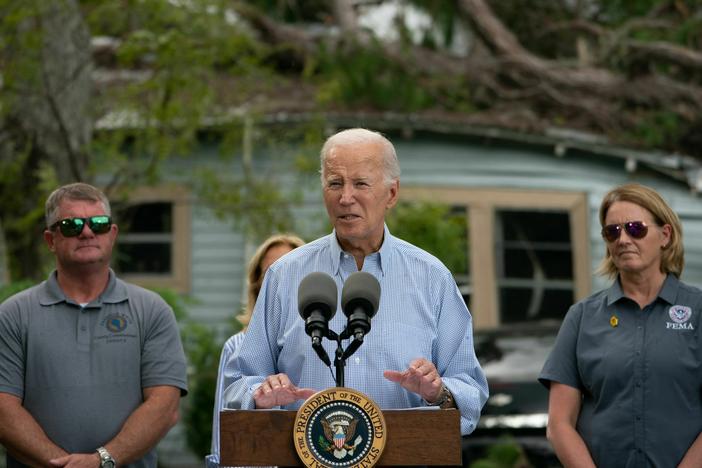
x=420, y=377
x=77, y=460
x=277, y=390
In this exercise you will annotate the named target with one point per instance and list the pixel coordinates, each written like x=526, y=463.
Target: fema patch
x=116, y=323
x=339, y=427
x=679, y=315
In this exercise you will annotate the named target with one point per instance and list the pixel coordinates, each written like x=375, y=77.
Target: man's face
x=356, y=195
x=87, y=248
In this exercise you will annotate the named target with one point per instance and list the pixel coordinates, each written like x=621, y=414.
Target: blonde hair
x=672, y=256
x=255, y=274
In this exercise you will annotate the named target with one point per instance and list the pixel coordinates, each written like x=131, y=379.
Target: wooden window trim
x=481, y=204
x=179, y=196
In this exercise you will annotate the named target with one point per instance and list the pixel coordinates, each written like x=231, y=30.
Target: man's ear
x=49, y=239
x=394, y=194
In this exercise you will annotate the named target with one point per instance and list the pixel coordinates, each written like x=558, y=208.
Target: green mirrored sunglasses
x=72, y=227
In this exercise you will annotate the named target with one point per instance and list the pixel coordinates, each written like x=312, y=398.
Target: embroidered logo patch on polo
x=116, y=323
x=680, y=316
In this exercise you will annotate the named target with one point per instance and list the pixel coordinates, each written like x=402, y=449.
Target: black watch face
x=108, y=464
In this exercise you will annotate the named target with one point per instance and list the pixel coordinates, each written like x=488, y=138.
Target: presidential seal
x=339, y=427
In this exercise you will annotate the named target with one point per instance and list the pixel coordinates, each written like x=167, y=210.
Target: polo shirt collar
x=384, y=253
x=116, y=291
x=668, y=292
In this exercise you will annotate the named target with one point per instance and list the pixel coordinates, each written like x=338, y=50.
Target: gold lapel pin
x=614, y=321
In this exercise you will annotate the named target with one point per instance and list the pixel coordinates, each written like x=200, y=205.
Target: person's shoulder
x=588, y=305
x=690, y=290
x=136, y=291
x=409, y=251
x=24, y=297
x=145, y=300
x=594, y=298
x=233, y=343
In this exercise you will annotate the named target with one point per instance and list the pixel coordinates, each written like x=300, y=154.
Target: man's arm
x=141, y=431
x=22, y=436
x=454, y=355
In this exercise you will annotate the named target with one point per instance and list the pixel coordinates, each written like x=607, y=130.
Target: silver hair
x=360, y=136
x=75, y=191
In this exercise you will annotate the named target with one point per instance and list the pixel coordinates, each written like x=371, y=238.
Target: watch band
x=106, y=460
x=445, y=399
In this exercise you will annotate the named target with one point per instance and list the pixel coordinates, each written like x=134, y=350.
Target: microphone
x=316, y=303
x=359, y=301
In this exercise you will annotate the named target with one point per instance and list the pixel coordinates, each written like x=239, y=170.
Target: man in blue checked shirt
x=420, y=349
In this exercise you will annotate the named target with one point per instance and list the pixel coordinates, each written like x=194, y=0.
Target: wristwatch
x=106, y=460
x=445, y=399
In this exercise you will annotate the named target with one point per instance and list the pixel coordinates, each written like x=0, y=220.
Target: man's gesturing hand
x=420, y=377
x=277, y=390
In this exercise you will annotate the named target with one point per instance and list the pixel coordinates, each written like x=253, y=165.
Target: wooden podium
x=414, y=437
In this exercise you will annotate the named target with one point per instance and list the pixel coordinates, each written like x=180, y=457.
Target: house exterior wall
x=219, y=250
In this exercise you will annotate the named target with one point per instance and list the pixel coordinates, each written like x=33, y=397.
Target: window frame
x=481, y=205
x=180, y=274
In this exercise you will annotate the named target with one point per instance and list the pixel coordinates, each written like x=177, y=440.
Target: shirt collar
x=384, y=253
x=116, y=291
x=668, y=292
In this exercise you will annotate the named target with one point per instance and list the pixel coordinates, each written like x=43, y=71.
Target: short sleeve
x=561, y=365
x=12, y=363
x=163, y=359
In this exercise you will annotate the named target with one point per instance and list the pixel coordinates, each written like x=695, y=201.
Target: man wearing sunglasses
x=624, y=375
x=91, y=368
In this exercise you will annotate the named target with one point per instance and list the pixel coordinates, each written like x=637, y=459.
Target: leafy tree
x=435, y=228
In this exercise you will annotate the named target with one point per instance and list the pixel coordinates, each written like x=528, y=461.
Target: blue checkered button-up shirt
x=421, y=314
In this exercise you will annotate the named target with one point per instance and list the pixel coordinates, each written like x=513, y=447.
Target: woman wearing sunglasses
x=625, y=375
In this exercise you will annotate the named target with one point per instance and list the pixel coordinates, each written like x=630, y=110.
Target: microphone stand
x=341, y=355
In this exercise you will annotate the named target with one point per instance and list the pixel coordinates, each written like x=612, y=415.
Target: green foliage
x=14, y=287
x=435, y=228
x=202, y=351
x=296, y=11
x=619, y=11
x=180, y=49
x=657, y=129
x=443, y=14
x=506, y=453
x=253, y=195
x=359, y=77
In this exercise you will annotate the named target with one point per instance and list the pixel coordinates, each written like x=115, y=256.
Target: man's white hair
x=361, y=136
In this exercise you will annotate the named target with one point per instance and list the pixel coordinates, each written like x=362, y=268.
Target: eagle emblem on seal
x=339, y=429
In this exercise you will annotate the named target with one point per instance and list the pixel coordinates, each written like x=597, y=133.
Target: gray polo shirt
x=80, y=370
x=640, y=373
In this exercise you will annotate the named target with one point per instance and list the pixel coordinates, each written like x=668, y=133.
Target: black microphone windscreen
x=364, y=286
x=317, y=291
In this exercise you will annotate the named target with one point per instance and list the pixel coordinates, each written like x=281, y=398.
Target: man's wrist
x=444, y=400
x=106, y=460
